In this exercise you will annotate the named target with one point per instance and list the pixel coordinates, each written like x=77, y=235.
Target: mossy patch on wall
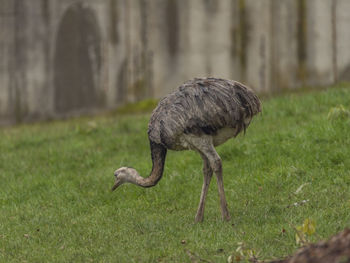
x=139, y=89
x=239, y=35
x=113, y=15
x=302, y=40
x=172, y=30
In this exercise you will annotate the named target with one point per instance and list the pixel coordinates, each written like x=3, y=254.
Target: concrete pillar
x=6, y=53
x=168, y=42
x=258, y=53
x=343, y=39
x=38, y=65
x=208, y=50
x=197, y=64
x=319, y=42
x=218, y=29
x=284, y=58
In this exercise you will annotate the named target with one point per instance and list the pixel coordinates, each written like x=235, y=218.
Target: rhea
x=201, y=114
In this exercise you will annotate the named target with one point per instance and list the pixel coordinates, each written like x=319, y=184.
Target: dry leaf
x=309, y=226
x=300, y=188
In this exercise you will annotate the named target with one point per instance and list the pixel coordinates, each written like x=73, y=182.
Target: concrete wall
x=65, y=57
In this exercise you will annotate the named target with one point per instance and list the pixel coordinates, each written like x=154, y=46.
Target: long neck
x=158, y=154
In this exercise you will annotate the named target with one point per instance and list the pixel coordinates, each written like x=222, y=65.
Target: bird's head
x=123, y=175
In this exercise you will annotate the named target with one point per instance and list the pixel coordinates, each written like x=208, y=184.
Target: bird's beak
x=117, y=183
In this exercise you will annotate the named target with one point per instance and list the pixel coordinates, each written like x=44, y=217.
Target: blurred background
x=67, y=57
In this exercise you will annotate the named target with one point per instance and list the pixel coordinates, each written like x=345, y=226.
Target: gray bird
x=201, y=114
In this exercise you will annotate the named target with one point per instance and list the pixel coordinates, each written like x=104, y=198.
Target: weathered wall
x=342, y=43
x=64, y=57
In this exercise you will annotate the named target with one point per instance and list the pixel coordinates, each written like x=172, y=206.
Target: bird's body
x=200, y=115
x=210, y=107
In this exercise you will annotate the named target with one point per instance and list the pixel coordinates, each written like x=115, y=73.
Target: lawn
x=56, y=204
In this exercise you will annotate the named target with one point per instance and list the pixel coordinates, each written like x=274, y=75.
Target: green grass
x=56, y=204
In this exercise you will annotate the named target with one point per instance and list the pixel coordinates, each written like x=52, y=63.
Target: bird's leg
x=217, y=166
x=207, y=173
x=204, y=145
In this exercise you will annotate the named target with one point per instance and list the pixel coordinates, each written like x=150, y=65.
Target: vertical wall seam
x=302, y=40
x=334, y=40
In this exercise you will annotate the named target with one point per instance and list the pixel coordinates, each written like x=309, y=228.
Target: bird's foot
x=226, y=216
x=199, y=218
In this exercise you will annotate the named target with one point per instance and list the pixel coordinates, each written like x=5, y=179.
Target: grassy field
x=56, y=204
